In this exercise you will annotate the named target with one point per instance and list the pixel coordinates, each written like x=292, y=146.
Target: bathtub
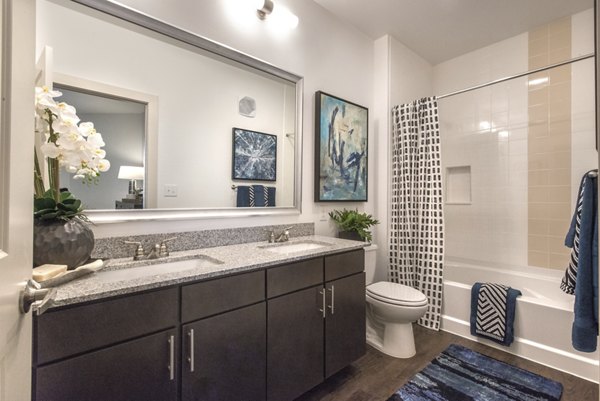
x=543, y=318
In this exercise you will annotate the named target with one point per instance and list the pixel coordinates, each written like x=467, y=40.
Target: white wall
x=401, y=76
x=329, y=55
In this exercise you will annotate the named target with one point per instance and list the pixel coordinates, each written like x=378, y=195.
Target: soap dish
x=71, y=275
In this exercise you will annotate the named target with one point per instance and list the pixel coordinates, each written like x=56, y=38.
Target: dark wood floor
x=376, y=376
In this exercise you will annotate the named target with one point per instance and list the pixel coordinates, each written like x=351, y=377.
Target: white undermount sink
x=295, y=246
x=129, y=273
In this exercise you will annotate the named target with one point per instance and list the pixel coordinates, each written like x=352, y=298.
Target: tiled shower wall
x=524, y=144
x=549, y=146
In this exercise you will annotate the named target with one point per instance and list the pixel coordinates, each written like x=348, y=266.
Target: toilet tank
x=370, y=262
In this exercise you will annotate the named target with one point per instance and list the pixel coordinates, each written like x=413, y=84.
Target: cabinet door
x=142, y=369
x=228, y=356
x=345, y=324
x=295, y=344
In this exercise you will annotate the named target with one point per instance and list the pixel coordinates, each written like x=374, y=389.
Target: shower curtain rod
x=497, y=81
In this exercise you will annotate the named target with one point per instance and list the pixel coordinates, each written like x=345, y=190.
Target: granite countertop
x=125, y=276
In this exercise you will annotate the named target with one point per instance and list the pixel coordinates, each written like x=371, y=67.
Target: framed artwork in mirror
x=254, y=156
x=341, y=170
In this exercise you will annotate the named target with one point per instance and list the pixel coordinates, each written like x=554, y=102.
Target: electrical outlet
x=170, y=190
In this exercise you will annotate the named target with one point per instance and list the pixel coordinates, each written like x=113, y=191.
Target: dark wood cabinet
x=224, y=356
x=142, y=369
x=315, y=332
x=295, y=344
x=270, y=334
x=345, y=331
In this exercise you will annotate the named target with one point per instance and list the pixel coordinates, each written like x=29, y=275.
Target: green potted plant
x=60, y=233
x=353, y=225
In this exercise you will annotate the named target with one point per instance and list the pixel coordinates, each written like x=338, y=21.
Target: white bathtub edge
x=585, y=368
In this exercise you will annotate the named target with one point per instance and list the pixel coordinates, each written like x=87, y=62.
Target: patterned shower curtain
x=417, y=228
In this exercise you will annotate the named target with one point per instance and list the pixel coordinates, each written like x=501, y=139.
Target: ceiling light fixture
x=278, y=15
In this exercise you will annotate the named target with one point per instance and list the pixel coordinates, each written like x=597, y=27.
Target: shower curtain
x=417, y=228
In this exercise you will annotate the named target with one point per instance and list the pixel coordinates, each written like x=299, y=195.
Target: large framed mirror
x=180, y=115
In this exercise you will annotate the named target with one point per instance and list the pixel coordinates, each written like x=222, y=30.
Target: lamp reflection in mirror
x=131, y=173
x=277, y=14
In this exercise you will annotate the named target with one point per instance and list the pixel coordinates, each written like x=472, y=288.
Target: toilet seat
x=396, y=294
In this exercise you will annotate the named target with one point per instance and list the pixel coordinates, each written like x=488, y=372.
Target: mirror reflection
x=189, y=162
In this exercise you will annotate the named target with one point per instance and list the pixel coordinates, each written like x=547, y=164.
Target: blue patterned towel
x=493, y=312
x=255, y=196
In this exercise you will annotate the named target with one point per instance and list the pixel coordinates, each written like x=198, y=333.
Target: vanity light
x=131, y=173
x=277, y=15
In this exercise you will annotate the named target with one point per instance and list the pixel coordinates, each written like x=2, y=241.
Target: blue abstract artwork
x=254, y=156
x=341, y=150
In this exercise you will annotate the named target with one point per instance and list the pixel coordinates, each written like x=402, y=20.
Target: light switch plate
x=170, y=190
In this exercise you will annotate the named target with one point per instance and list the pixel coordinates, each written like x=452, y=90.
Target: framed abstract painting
x=254, y=156
x=341, y=129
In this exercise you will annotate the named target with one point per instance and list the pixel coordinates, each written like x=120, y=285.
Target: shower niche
x=458, y=185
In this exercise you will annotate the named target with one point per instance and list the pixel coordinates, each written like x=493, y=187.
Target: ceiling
x=440, y=30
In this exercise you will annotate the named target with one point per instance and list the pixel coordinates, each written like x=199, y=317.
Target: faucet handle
x=164, y=250
x=139, y=251
x=271, y=236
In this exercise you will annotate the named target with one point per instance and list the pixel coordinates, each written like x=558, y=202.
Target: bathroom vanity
x=269, y=326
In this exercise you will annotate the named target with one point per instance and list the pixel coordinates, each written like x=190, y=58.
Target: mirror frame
x=145, y=21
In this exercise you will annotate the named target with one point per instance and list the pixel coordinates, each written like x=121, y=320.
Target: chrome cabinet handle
x=323, y=310
x=191, y=357
x=34, y=296
x=171, y=357
x=332, y=306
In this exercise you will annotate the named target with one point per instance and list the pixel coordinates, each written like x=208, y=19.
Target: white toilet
x=391, y=310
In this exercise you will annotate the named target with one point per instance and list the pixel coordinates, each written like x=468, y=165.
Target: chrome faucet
x=284, y=236
x=159, y=250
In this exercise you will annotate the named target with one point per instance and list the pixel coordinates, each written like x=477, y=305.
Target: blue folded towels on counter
x=255, y=196
x=493, y=312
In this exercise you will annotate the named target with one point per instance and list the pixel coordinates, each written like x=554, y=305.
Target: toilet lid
x=397, y=294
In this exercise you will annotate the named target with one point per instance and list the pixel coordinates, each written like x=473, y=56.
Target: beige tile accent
x=538, y=243
x=538, y=130
x=560, y=177
x=560, y=74
x=538, y=47
x=558, y=227
x=539, y=259
x=560, y=194
x=538, y=33
x=559, y=160
x=538, y=177
x=557, y=55
x=549, y=146
x=538, y=227
x=538, y=61
x=560, y=26
x=558, y=261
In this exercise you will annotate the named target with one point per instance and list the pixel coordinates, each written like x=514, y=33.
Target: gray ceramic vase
x=62, y=242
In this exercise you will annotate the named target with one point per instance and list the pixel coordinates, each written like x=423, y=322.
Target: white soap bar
x=44, y=272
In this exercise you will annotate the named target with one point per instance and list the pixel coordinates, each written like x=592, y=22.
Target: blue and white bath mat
x=461, y=374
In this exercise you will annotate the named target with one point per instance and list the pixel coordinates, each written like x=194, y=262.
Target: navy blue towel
x=585, y=326
x=493, y=312
x=255, y=196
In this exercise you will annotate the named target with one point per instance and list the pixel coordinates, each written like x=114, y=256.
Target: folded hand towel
x=493, y=312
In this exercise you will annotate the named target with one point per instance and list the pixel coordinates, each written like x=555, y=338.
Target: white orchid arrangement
x=67, y=143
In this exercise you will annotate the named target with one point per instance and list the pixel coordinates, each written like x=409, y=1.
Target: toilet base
x=393, y=339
